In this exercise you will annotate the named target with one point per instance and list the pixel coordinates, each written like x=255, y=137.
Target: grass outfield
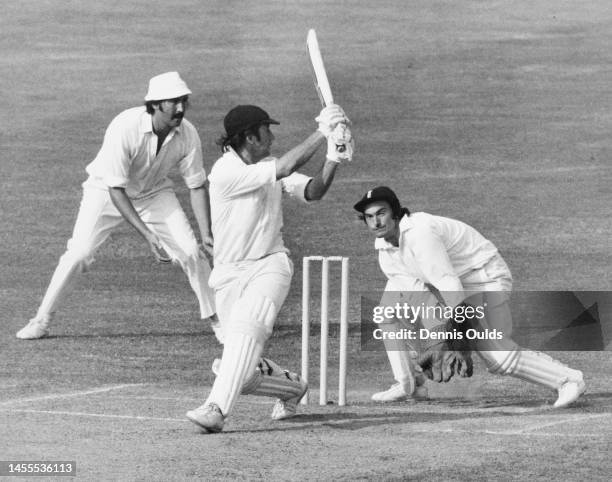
x=495, y=113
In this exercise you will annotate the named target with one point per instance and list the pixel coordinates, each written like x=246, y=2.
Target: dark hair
x=238, y=140
x=401, y=213
x=149, y=105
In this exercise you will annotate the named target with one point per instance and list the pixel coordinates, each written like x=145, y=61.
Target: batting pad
x=253, y=316
x=240, y=355
x=272, y=381
x=403, y=368
x=531, y=366
x=544, y=370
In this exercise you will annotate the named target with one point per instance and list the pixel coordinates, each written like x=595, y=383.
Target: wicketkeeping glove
x=440, y=361
x=340, y=144
x=329, y=118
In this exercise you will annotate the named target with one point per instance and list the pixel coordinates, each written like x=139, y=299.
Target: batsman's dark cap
x=380, y=193
x=242, y=117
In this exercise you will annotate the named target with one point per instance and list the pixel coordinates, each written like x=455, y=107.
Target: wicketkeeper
x=453, y=265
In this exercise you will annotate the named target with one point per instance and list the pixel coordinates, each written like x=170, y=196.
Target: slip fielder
x=419, y=252
x=128, y=182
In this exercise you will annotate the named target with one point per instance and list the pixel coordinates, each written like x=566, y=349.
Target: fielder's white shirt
x=435, y=250
x=128, y=156
x=246, y=207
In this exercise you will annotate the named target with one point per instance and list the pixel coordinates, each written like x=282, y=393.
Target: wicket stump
x=344, y=292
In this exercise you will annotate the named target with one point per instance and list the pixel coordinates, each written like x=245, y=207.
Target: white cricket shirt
x=128, y=156
x=246, y=207
x=436, y=250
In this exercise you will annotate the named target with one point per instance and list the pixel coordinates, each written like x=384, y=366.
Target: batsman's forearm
x=200, y=204
x=319, y=184
x=126, y=208
x=299, y=155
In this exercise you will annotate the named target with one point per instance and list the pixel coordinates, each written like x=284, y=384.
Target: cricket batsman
x=453, y=265
x=252, y=269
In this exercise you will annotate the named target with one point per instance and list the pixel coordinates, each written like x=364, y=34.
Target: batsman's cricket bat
x=320, y=74
x=318, y=67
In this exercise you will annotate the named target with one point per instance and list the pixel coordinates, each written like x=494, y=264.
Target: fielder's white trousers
x=489, y=286
x=98, y=218
x=490, y=283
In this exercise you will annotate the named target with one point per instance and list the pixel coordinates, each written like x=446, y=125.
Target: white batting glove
x=340, y=144
x=329, y=118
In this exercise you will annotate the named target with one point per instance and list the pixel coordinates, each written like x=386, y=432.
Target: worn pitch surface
x=495, y=113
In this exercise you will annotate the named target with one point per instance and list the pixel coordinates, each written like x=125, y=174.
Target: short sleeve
x=191, y=166
x=234, y=178
x=295, y=185
x=115, y=155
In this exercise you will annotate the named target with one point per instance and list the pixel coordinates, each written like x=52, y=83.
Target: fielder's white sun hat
x=166, y=86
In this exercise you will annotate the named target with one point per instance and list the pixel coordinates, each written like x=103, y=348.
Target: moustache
x=178, y=116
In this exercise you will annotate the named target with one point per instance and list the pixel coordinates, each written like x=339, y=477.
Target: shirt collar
x=404, y=225
x=230, y=152
x=146, y=122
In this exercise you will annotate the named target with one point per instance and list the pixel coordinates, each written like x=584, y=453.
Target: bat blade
x=318, y=67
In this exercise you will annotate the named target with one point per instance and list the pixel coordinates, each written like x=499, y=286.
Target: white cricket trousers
x=98, y=218
x=489, y=286
x=249, y=297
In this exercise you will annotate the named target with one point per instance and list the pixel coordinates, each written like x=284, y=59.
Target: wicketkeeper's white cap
x=166, y=86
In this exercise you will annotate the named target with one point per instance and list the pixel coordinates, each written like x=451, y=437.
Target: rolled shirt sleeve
x=116, y=155
x=191, y=166
x=234, y=179
x=295, y=185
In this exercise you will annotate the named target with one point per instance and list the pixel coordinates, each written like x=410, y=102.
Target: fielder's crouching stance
x=417, y=251
x=252, y=270
x=128, y=182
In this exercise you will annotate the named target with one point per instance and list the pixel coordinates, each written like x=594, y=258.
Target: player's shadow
x=400, y=413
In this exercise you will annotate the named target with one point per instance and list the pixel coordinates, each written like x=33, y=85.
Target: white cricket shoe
x=286, y=408
x=570, y=391
x=207, y=417
x=399, y=392
x=38, y=327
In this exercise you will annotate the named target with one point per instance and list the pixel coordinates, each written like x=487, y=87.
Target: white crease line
x=95, y=415
x=334, y=424
x=509, y=433
x=269, y=401
x=557, y=422
x=70, y=394
x=146, y=397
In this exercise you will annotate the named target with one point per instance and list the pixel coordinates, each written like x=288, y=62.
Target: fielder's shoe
x=207, y=417
x=570, y=391
x=36, y=328
x=286, y=408
x=399, y=392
